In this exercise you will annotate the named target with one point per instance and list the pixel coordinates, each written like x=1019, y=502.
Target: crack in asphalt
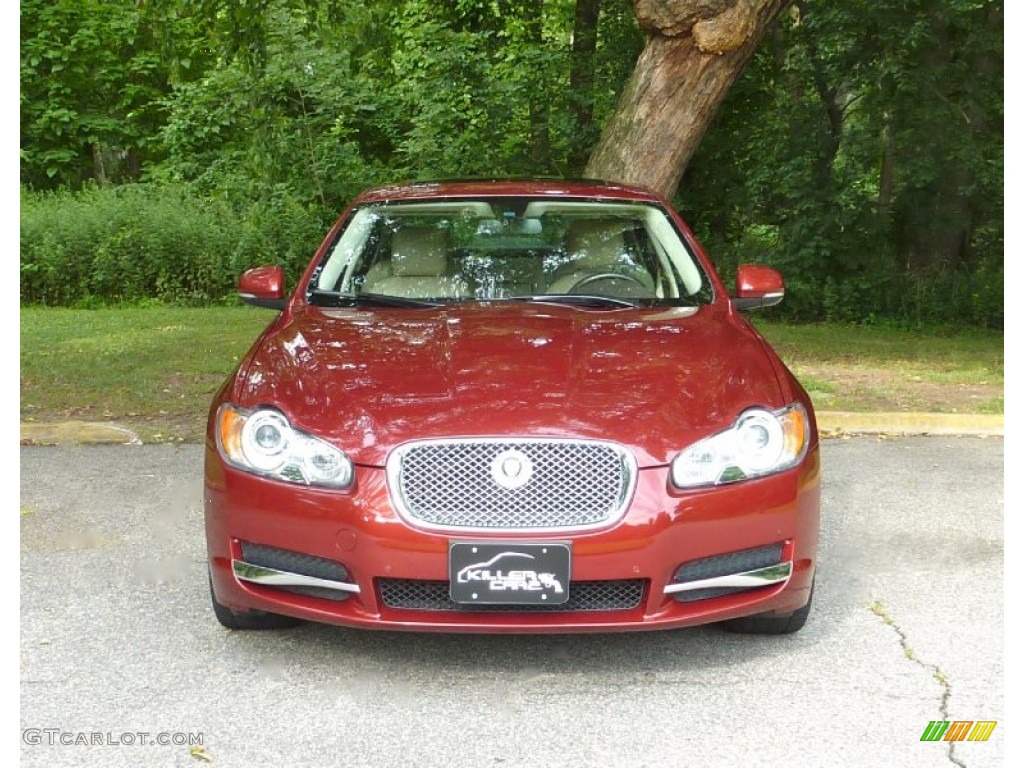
x=879, y=610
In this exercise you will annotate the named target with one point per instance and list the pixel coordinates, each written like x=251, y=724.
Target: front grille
x=415, y=595
x=454, y=484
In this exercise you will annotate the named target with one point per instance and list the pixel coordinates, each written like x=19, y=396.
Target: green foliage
x=299, y=123
x=297, y=106
x=138, y=242
x=403, y=89
x=479, y=120
x=93, y=78
x=861, y=154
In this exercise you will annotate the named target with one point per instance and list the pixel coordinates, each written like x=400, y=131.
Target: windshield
x=505, y=248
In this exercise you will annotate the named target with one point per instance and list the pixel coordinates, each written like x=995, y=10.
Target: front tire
x=771, y=624
x=248, y=619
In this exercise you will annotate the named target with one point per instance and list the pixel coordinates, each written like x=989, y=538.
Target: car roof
x=589, y=188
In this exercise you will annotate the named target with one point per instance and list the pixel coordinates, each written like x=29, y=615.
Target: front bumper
x=661, y=530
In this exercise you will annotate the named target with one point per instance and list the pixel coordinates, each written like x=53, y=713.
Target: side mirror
x=758, y=286
x=263, y=287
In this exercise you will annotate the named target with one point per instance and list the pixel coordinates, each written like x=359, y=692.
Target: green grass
x=993, y=405
x=156, y=368
x=852, y=368
x=966, y=357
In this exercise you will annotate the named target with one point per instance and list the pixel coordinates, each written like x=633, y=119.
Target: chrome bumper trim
x=274, y=578
x=762, y=577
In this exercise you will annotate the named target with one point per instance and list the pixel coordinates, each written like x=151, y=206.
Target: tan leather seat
x=419, y=266
x=597, y=247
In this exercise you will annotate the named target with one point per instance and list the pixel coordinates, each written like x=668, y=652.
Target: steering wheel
x=608, y=276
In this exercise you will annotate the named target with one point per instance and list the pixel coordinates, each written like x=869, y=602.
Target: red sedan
x=512, y=406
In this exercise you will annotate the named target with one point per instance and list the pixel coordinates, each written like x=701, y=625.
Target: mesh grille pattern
x=301, y=563
x=293, y=562
x=414, y=595
x=727, y=565
x=574, y=484
x=322, y=592
x=693, y=595
x=724, y=565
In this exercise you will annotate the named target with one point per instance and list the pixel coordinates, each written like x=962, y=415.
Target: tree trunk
x=695, y=50
x=887, y=172
x=937, y=218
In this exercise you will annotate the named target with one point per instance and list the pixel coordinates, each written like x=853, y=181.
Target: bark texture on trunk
x=695, y=50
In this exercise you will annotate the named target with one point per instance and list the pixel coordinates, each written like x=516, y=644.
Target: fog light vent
x=721, y=566
x=299, y=564
x=293, y=562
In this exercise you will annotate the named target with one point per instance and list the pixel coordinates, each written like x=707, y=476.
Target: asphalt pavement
x=119, y=646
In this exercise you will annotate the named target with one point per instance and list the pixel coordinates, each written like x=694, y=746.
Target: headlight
x=262, y=441
x=761, y=442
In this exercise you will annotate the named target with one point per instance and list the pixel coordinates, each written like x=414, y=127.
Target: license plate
x=509, y=573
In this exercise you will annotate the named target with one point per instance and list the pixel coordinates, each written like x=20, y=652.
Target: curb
x=833, y=423
x=77, y=433
x=830, y=424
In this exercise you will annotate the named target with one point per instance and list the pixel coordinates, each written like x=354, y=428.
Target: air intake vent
x=414, y=595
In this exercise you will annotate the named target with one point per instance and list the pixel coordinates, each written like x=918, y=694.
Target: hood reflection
x=370, y=379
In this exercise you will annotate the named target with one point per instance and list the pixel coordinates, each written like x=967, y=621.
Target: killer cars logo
x=520, y=580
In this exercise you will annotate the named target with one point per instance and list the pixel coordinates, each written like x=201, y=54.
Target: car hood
x=368, y=380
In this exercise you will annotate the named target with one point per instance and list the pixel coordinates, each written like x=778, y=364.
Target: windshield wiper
x=323, y=298
x=577, y=299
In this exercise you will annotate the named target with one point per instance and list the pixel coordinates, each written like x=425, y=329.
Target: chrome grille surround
x=448, y=484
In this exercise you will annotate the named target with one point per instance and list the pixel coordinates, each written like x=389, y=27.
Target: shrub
x=145, y=241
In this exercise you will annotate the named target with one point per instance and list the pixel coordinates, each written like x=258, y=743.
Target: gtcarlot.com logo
x=958, y=730
x=56, y=736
